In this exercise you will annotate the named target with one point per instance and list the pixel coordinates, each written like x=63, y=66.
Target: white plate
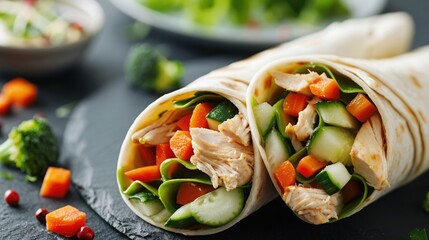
x=238, y=35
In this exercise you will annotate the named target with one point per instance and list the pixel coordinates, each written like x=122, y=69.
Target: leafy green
x=144, y=196
x=418, y=234
x=197, y=98
x=32, y=147
x=147, y=68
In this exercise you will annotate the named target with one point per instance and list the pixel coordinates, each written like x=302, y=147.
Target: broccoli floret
x=147, y=68
x=31, y=147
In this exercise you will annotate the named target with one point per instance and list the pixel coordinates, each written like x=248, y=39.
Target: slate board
x=91, y=145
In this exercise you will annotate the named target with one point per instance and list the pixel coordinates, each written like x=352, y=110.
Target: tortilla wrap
x=375, y=37
x=397, y=87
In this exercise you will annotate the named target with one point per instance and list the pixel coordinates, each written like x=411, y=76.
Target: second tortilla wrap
x=230, y=83
x=387, y=154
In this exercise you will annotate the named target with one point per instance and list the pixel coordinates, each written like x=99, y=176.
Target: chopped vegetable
x=222, y=112
x=189, y=191
x=211, y=210
x=56, y=183
x=20, y=92
x=285, y=175
x=5, y=104
x=148, y=155
x=181, y=145
x=294, y=103
x=418, y=234
x=65, y=221
x=308, y=166
x=325, y=88
x=11, y=197
x=335, y=113
x=361, y=108
x=31, y=147
x=147, y=68
x=198, y=119
x=144, y=174
x=333, y=178
x=265, y=117
x=164, y=152
x=184, y=122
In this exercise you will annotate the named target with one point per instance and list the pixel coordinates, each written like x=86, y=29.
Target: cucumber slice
x=218, y=207
x=181, y=218
x=222, y=112
x=332, y=144
x=282, y=119
x=149, y=208
x=265, y=117
x=335, y=113
x=333, y=178
x=161, y=216
x=277, y=149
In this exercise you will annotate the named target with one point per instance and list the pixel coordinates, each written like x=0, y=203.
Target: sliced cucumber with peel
x=333, y=178
x=222, y=112
x=218, y=207
x=282, y=119
x=336, y=114
x=149, y=208
x=182, y=217
x=332, y=144
x=265, y=117
x=277, y=149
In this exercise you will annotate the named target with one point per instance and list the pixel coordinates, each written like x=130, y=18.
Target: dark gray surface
x=106, y=116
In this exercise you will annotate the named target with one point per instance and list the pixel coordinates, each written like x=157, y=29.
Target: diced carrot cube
x=65, y=221
x=56, y=183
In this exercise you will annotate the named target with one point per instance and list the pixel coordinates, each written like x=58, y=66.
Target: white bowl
x=32, y=61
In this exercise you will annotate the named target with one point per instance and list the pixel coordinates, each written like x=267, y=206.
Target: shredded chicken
x=295, y=82
x=160, y=131
x=368, y=156
x=237, y=128
x=306, y=120
x=313, y=205
x=227, y=162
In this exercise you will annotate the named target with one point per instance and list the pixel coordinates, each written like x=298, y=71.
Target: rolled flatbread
x=243, y=172
x=342, y=151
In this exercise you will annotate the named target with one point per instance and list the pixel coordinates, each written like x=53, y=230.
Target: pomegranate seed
x=41, y=215
x=85, y=233
x=11, y=197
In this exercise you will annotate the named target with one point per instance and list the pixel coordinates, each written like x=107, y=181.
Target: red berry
x=41, y=215
x=85, y=233
x=11, y=197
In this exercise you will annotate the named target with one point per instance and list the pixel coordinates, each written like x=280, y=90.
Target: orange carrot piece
x=144, y=174
x=294, y=103
x=308, y=166
x=188, y=192
x=65, y=221
x=352, y=190
x=163, y=152
x=198, y=119
x=285, y=175
x=5, y=104
x=56, y=183
x=361, y=107
x=181, y=145
x=325, y=88
x=148, y=155
x=21, y=92
x=184, y=122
